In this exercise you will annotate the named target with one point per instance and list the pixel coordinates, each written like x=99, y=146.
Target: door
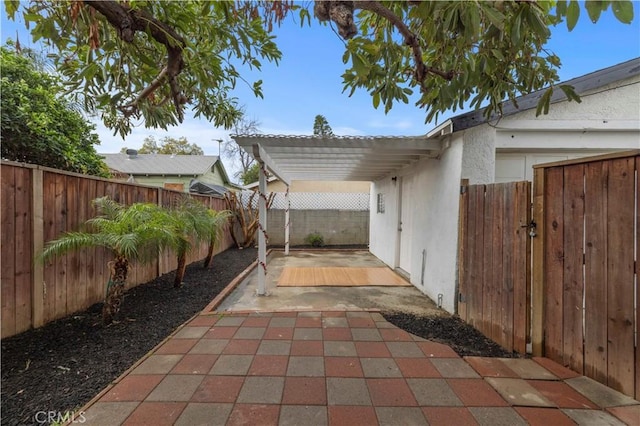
x=405, y=226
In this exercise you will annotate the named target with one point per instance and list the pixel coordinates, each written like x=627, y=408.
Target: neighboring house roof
x=159, y=164
x=581, y=85
x=254, y=185
x=198, y=187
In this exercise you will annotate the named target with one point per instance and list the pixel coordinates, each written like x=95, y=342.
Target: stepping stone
x=592, y=417
x=454, y=368
x=198, y=413
x=497, y=416
x=600, y=394
x=528, y=369
x=519, y=392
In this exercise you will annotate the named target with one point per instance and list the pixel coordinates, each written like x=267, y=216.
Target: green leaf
x=515, y=29
x=543, y=103
x=623, y=10
x=376, y=100
x=358, y=64
x=570, y=93
x=561, y=7
x=594, y=9
x=495, y=16
x=573, y=13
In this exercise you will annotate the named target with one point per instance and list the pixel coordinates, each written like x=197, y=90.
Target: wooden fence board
x=572, y=272
x=471, y=226
x=50, y=269
x=82, y=209
x=463, y=253
x=475, y=302
x=487, y=279
x=23, y=256
x=60, y=206
x=7, y=215
x=73, y=283
x=100, y=273
x=554, y=255
x=521, y=264
x=620, y=273
x=537, y=261
x=595, y=351
x=504, y=333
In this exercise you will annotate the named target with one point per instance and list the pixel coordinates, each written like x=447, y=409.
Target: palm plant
x=217, y=222
x=190, y=224
x=134, y=233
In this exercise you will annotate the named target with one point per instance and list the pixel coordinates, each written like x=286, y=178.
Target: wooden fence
x=37, y=204
x=493, y=261
x=586, y=268
x=581, y=305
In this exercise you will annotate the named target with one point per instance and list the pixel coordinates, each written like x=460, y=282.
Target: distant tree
x=321, y=126
x=251, y=175
x=38, y=125
x=168, y=145
x=244, y=126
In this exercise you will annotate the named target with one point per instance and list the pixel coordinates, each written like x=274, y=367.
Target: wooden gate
x=493, y=261
x=585, y=267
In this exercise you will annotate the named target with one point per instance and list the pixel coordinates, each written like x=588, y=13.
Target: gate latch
x=532, y=228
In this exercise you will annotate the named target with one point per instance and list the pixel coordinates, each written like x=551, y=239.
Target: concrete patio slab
x=244, y=298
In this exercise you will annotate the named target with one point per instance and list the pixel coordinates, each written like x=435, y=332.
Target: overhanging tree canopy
x=148, y=60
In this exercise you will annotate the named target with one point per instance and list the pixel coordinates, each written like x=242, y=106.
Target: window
x=380, y=203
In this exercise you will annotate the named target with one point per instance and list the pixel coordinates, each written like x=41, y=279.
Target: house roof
x=581, y=85
x=369, y=158
x=160, y=164
x=198, y=187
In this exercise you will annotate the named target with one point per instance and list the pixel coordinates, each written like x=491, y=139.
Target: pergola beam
x=263, y=158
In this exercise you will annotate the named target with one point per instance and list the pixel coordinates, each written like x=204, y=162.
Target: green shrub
x=315, y=239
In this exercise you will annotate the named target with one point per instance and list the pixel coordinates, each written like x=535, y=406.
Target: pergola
x=334, y=158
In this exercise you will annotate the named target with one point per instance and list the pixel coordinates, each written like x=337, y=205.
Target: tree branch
x=127, y=22
x=410, y=39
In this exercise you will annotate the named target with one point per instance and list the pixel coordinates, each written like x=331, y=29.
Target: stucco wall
x=478, y=154
x=434, y=201
x=337, y=227
x=383, y=226
x=607, y=118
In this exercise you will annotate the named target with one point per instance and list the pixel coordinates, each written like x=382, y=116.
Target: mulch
x=61, y=366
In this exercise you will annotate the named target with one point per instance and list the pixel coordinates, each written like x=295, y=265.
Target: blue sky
x=307, y=82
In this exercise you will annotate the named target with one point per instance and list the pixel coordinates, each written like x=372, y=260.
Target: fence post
x=537, y=274
x=37, y=223
x=461, y=304
x=287, y=207
x=161, y=254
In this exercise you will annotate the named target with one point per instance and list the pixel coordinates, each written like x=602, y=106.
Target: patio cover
x=339, y=158
x=335, y=158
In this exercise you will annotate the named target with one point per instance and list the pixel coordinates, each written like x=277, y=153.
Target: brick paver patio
x=342, y=368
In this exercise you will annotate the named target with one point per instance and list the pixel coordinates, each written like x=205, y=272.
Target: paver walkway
x=342, y=368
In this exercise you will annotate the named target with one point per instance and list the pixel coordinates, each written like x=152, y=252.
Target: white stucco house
x=415, y=189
